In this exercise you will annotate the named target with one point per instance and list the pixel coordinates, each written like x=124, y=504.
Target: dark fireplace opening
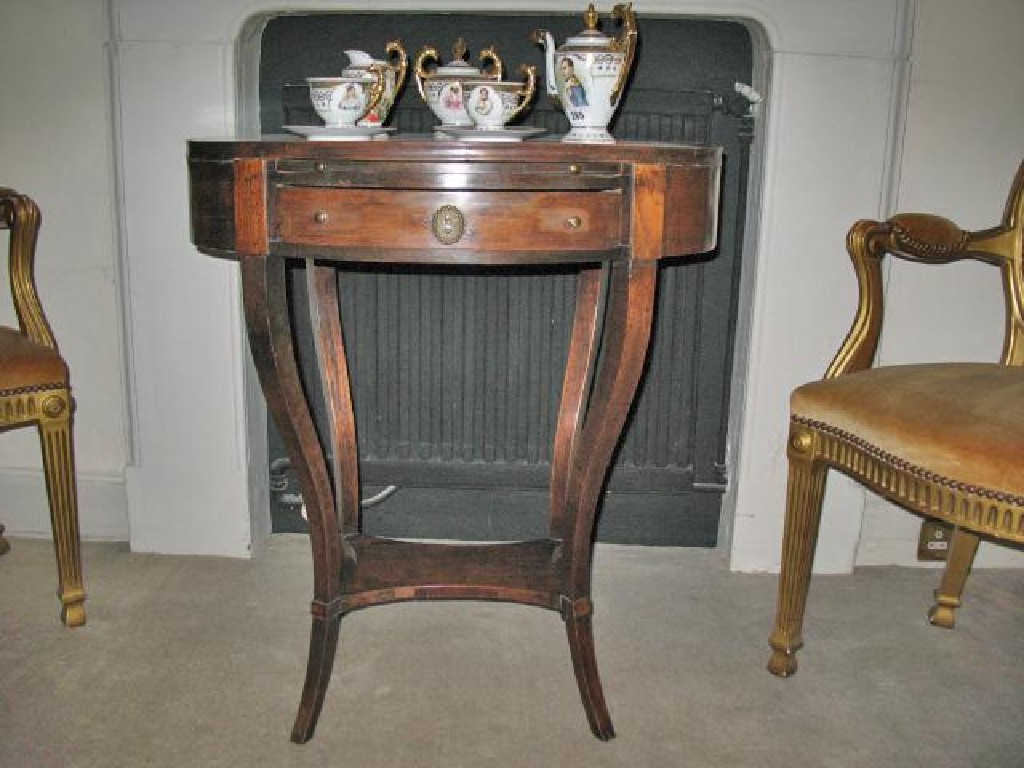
x=456, y=375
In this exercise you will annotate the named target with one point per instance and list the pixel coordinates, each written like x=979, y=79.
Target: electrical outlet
x=933, y=542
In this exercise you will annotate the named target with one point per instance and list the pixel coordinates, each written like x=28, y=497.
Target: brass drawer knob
x=574, y=168
x=321, y=167
x=574, y=222
x=448, y=224
x=320, y=217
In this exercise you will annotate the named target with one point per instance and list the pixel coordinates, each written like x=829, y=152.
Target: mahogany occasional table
x=611, y=211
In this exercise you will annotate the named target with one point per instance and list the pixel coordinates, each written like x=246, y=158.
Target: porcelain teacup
x=491, y=104
x=343, y=101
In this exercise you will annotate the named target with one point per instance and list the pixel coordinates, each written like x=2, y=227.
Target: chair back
x=933, y=240
x=21, y=216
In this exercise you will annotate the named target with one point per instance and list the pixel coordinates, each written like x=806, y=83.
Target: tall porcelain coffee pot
x=587, y=74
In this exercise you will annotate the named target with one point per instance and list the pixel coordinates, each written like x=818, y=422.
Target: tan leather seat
x=24, y=363
x=910, y=422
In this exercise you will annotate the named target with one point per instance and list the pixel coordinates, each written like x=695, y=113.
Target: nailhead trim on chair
x=30, y=389
x=905, y=466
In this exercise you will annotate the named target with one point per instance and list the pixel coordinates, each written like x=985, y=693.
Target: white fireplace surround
x=833, y=74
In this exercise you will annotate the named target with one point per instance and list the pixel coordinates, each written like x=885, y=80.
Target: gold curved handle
x=427, y=53
x=527, y=91
x=400, y=69
x=491, y=55
x=376, y=90
x=627, y=43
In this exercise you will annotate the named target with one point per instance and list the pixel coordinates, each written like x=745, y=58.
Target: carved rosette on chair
x=35, y=389
x=943, y=440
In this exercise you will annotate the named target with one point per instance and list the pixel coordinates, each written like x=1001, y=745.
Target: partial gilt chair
x=944, y=440
x=34, y=389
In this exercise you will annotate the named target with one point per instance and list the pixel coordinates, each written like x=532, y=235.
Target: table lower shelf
x=394, y=570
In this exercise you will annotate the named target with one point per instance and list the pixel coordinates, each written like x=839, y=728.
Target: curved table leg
x=332, y=361
x=267, y=321
x=622, y=351
x=572, y=406
x=323, y=644
x=580, y=632
x=322, y=287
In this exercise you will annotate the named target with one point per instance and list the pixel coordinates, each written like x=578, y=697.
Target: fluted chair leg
x=958, y=565
x=59, y=466
x=805, y=491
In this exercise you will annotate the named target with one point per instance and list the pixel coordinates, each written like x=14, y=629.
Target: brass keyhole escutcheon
x=448, y=224
x=574, y=222
x=320, y=217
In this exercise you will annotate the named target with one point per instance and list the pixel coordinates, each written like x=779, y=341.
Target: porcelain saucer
x=341, y=132
x=472, y=133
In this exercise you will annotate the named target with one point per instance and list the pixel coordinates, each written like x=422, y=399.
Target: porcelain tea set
x=586, y=75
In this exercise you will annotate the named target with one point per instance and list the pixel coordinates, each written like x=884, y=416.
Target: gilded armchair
x=35, y=389
x=943, y=440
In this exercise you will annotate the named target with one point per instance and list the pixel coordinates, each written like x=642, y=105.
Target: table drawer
x=481, y=221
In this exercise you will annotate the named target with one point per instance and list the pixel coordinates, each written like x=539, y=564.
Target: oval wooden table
x=611, y=211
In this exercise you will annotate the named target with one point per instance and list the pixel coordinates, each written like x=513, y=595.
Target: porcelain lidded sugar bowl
x=394, y=67
x=444, y=88
x=587, y=74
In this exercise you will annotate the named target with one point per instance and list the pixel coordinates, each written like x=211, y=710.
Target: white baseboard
x=102, y=505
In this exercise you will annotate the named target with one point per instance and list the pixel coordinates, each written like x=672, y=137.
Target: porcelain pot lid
x=458, y=69
x=590, y=38
x=458, y=66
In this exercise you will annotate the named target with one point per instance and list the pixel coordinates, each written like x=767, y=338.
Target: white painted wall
x=832, y=116
x=55, y=146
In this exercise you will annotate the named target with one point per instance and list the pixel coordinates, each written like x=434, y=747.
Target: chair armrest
x=927, y=239
x=20, y=215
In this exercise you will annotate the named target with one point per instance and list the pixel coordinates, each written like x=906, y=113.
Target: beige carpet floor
x=199, y=662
